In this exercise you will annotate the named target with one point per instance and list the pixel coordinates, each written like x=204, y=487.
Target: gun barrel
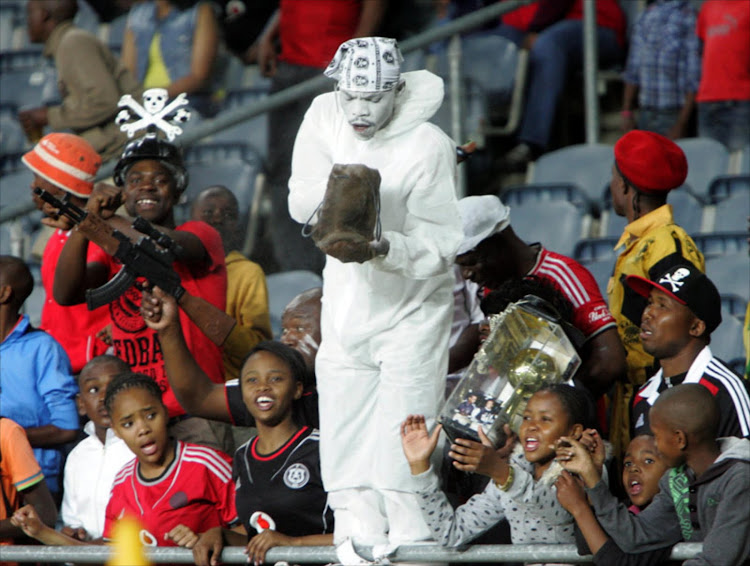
x=75, y=213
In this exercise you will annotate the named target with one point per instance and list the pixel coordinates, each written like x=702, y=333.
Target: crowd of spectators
x=328, y=435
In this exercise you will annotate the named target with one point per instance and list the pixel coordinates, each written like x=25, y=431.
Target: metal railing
x=235, y=116
x=327, y=554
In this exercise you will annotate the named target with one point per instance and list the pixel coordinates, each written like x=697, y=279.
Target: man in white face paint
x=386, y=316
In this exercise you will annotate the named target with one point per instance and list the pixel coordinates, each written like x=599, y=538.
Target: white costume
x=90, y=469
x=385, y=323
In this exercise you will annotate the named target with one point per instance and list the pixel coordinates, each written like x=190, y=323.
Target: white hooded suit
x=385, y=323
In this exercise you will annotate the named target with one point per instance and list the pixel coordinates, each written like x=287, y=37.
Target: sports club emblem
x=261, y=521
x=296, y=476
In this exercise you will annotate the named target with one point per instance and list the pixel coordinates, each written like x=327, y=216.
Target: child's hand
x=159, y=309
x=570, y=492
x=262, y=542
x=482, y=458
x=595, y=445
x=182, y=536
x=575, y=458
x=207, y=550
x=418, y=445
x=28, y=521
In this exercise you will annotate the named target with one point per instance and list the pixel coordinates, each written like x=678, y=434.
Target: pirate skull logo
x=675, y=280
x=388, y=57
x=361, y=62
x=360, y=80
x=154, y=99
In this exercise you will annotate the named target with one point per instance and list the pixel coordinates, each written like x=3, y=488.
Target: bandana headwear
x=366, y=64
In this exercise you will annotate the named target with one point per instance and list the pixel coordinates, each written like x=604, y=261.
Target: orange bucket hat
x=65, y=160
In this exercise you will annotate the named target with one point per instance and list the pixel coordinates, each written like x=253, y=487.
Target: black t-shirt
x=305, y=409
x=285, y=486
x=242, y=21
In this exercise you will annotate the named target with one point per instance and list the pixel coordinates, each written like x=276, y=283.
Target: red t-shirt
x=312, y=30
x=139, y=346
x=724, y=28
x=196, y=490
x=73, y=327
x=590, y=312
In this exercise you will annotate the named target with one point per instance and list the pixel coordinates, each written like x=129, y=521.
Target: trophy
x=527, y=349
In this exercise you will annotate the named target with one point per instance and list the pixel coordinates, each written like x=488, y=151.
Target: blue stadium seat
x=687, y=209
x=732, y=212
x=253, y=132
x=734, y=305
x=707, y=159
x=543, y=192
x=725, y=186
x=117, y=32
x=556, y=224
x=588, y=166
x=730, y=273
x=8, y=16
x=15, y=187
x=721, y=243
x=26, y=80
x=602, y=271
x=595, y=249
x=726, y=340
x=12, y=137
x=282, y=288
x=86, y=17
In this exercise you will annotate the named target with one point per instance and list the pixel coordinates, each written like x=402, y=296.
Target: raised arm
x=195, y=391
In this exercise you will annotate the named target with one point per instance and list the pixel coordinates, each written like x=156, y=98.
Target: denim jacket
x=176, y=30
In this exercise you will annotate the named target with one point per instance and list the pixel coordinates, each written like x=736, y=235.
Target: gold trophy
x=526, y=350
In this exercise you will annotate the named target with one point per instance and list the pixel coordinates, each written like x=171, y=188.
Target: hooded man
x=387, y=301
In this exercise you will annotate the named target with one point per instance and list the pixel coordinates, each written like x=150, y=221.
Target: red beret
x=650, y=161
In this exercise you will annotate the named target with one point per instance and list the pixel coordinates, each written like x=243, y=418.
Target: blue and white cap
x=366, y=64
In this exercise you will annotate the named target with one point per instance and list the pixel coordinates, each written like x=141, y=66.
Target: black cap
x=688, y=286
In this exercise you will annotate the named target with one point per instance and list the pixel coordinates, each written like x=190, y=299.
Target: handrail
x=327, y=554
x=234, y=116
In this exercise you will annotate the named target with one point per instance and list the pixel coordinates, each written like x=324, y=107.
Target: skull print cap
x=366, y=64
x=686, y=284
x=65, y=160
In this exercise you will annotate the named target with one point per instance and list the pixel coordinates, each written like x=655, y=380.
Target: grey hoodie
x=713, y=509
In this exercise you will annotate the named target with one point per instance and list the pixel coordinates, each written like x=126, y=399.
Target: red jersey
x=590, y=313
x=724, y=28
x=312, y=30
x=139, y=346
x=73, y=327
x=196, y=490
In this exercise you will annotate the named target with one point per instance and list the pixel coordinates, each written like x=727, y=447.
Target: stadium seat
x=602, y=271
x=595, y=249
x=282, y=288
x=726, y=340
x=687, y=209
x=730, y=273
x=556, y=224
x=543, y=192
x=707, y=159
x=734, y=305
x=732, y=212
x=15, y=188
x=254, y=131
x=26, y=80
x=725, y=186
x=12, y=137
x=721, y=243
x=8, y=16
x=86, y=17
x=588, y=166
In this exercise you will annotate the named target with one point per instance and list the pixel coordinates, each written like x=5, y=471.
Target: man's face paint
x=367, y=112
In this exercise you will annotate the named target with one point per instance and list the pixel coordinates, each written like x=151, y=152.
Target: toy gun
x=150, y=257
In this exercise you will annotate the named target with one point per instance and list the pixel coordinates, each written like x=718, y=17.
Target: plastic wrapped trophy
x=527, y=349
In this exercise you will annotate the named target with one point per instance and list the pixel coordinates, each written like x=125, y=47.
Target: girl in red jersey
x=173, y=488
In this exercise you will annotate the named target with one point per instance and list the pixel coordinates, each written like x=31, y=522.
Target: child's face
x=642, y=469
x=93, y=387
x=544, y=421
x=269, y=388
x=666, y=440
x=140, y=419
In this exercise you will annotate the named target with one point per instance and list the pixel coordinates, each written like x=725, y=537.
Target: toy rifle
x=150, y=257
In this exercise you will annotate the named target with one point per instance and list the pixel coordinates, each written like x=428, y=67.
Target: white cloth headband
x=366, y=64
